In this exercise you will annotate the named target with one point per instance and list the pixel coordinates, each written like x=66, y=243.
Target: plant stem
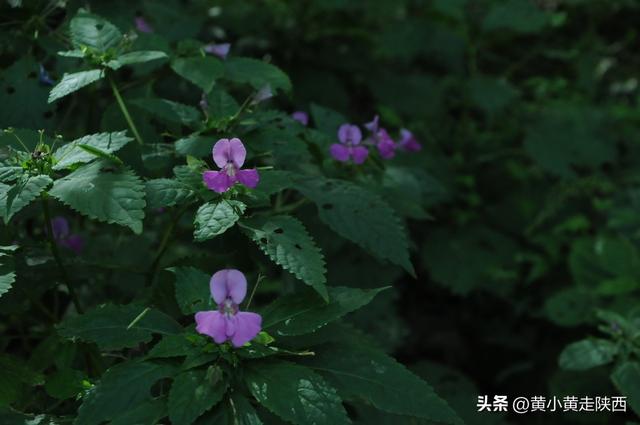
x=153, y=270
x=125, y=111
x=260, y=279
x=56, y=256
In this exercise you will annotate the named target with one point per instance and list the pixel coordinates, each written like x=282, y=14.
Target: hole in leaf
x=278, y=231
x=327, y=206
x=99, y=26
x=263, y=240
x=10, y=90
x=298, y=246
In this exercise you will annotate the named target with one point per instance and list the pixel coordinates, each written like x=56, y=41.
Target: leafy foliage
x=285, y=240
x=499, y=199
x=100, y=192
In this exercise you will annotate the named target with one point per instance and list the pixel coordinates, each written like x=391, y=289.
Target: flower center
x=230, y=169
x=228, y=307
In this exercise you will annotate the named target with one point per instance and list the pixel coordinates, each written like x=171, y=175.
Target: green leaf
x=149, y=412
x=113, y=327
x=94, y=32
x=201, y=71
x=22, y=193
x=303, y=312
x=74, y=82
x=626, y=378
x=178, y=345
x=14, y=373
x=587, y=354
x=220, y=104
x=23, y=102
x=65, y=383
x=286, y=241
x=256, y=73
x=194, y=145
x=7, y=268
x=362, y=217
x=168, y=110
x=72, y=153
x=242, y=411
x=520, y=16
x=327, y=120
x=361, y=372
x=122, y=388
x=167, y=193
x=133, y=58
x=295, y=393
x=9, y=174
x=215, y=218
x=104, y=194
x=79, y=54
x=192, y=289
x=193, y=393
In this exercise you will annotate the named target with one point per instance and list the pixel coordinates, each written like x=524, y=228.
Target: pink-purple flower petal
x=213, y=324
x=373, y=125
x=60, y=227
x=220, y=50
x=301, y=116
x=359, y=154
x=74, y=243
x=349, y=134
x=339, y=152
x=228, y=283
x=221, y=152
x=218, y=181
x=408, y=142
x=237, y=152
x=142, y=25
x=247, y=326
x=249, y=178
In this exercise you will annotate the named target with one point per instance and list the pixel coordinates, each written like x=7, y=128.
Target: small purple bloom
x=386, y=145
x=62, y=235
x=301, y=116
x=263, y=94
x=374, y=125
x=220, y=50
x=44, y=77
x=350, y=137
x=229, y=155
x=142, y=25
x=408, y=142
x=228, y=323
x=379, y=137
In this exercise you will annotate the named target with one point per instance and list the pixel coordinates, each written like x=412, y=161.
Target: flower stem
x=125, y=111
x=56, y=256
x=153, y=270
x=260, y=279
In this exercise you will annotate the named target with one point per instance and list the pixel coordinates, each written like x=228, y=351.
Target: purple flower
x=228, y=323
x=408, y=141
x=220, y=50
x=44, y=77
x=374, y=125
x=229, y=155
x=386, y=145
x=62, y=235
x=379, y=137
x=263, y=94
x=301, y=116
x=142, y=25
x=348, y=148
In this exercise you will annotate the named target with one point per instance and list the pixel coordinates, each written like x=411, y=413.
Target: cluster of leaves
x=108, y=335
x=519, y=217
